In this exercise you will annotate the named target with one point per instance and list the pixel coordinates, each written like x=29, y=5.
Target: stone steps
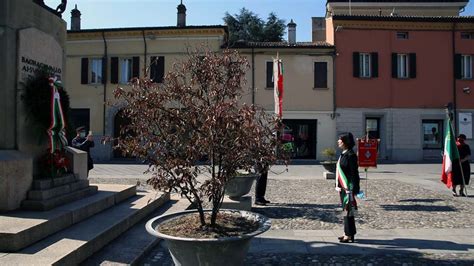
x=48, y=204
x=57, y=191
x=132, y=246
x=76, y=243
x=19, y=229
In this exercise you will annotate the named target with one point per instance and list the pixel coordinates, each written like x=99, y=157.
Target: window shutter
x=394, y=66
x=457, y=66
x=136, y=67
x=375, y=64
x=84, y=70
x=356, y=64
x=104, y=70
x=270, y=75
x=320, y=75
x=412, y=65
x=114, y=70
x=160, y=69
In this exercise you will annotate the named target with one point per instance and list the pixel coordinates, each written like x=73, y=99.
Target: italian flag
x=278, y=86
x=450, y=154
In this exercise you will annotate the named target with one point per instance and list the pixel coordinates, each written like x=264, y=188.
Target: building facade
x=100, y=60
x=396, y=74
x=308, y=107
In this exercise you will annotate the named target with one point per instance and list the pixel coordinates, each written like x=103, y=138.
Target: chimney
x=319, y=29
x=181, y=15
x=291, y=32
x=75, y=19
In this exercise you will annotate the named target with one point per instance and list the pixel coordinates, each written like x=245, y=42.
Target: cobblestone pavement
x=314, y=205
x=162, y=257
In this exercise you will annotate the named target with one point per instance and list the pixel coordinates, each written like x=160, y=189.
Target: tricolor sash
x=347, y=196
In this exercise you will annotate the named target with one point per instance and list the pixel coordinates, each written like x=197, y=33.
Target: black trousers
x=349, y=226
x=261, y=185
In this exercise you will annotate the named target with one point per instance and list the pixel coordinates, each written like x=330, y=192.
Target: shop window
x=432, y=134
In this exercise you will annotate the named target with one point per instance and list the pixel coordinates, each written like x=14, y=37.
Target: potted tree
x=330, y=163
x=194, y=114
x=240, y=184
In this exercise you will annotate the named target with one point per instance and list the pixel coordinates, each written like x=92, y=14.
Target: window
x=466, y=66
x=157, y=68
x=402, y=35
x=467, y=35
x=125, y=68
x=432, y=134
x=93, y=70
x=95, y=74
x=320, y=75
x=365, y=65
x=403, y=65
x=269, y=67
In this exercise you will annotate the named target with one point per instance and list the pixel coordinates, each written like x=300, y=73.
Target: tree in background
x=248, y=26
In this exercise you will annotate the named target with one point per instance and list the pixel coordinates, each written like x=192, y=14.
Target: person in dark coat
x=84, y=143
x=261, y=187
x=465, y=172
x=348, y=184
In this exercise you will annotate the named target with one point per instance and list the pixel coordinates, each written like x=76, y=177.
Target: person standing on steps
x=347, y=184
x=84, y=143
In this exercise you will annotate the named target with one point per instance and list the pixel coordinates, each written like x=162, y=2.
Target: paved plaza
x=407, y=218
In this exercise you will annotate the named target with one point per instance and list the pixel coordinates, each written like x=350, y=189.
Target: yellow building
x=100, y=60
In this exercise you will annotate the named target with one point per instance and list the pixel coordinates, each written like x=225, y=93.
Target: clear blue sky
x=149, y=13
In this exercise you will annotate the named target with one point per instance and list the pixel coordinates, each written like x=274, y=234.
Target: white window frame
x=365, y=65
x=466, y=66
x=95, y=65
x=403, y=66
x=122, y=71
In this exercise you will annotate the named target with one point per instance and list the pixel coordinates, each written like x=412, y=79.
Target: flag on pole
x=450, y=154
x=278, y=86
x=56, y=131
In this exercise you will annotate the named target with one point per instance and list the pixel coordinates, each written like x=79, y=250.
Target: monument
x=32, y=37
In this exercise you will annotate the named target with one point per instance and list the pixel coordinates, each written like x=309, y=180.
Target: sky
x=154, y=13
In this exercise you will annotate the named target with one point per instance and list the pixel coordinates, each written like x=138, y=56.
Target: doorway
x=300, y=135
x=120, y=120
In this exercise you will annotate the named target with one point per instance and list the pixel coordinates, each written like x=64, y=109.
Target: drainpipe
x=333, y=115
x=253, y=76
x=145, y=54
x=105, y=83
x=453, y=41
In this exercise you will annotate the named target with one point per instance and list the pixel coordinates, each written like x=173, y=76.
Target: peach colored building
x=394, y=76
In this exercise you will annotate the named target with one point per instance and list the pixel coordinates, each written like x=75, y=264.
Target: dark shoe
x=340, y=237
x=266, y=201
x=260, y=203
x=454, y=193
x=461, y=193
x=347, y=239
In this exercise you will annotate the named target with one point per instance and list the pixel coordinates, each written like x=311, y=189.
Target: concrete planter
x=209, y=252
x=239, y=186
x=330, y=166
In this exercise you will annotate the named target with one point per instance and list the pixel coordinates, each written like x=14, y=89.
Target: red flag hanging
x=278, y=86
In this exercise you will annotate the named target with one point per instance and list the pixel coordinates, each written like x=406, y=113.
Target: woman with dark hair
x=347, y=183
x=464, y=156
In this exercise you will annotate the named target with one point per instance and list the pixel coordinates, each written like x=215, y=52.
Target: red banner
x=367, y=152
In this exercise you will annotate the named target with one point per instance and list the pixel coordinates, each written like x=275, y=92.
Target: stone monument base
x=16, y=177
x=329, y=175
x=244, y=203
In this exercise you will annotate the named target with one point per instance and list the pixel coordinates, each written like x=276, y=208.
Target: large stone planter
x=239, y=185
x=227, y=251
x=330, y=166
